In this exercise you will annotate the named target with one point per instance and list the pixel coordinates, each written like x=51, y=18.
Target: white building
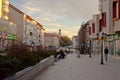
x=51, y=40
x=32, y=32
x=110, y=15
x=28, y=30
x=75, y=41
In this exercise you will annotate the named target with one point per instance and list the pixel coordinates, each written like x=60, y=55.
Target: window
x=104, y=19
x=89, y=30
x=31, y=33
x=115, y=12
x=100, y=25
x=93, y=27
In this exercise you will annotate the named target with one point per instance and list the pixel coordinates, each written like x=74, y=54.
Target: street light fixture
x=32, y=45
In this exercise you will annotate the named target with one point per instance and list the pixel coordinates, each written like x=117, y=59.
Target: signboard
x=116, y=36
x=109, y=38
x=11, y=37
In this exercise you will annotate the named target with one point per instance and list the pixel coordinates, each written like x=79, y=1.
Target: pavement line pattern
x=83, y=68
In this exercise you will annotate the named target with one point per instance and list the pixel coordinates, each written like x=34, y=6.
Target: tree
x=65, y=41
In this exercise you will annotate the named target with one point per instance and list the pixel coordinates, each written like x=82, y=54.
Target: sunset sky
x=66, y=15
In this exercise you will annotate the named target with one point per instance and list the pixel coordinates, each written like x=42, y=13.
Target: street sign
x=11, y=37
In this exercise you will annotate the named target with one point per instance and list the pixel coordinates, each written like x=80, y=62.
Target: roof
x=50, y=35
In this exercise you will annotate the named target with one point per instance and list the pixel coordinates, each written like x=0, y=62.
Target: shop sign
x=109, y=38
x=11, y=37
x=116, y=36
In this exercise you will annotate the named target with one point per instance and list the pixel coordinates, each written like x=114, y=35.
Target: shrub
x=18, y=50
x=8, y=66
x=29, y=60
x=46, y=53
x=19, y=57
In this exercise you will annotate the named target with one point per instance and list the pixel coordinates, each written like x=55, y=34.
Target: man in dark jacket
x=106, y=52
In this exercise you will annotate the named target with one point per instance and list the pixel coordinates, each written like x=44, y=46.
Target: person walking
x=106, y=52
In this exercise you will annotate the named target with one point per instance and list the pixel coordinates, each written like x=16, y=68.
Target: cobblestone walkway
x=83, y=68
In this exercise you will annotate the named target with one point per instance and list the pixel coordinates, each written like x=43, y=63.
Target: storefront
x=116, y=37
x=6, y=40
x=7, y=34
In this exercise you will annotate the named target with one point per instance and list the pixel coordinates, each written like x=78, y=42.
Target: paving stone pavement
x=83, y=68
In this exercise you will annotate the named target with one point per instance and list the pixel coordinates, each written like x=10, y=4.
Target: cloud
x=47, y=20
x=69, y=8
x=50, y=22
x=59, y=13
x=55, y=25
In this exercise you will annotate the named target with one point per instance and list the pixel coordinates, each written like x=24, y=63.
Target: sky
x=67, y=15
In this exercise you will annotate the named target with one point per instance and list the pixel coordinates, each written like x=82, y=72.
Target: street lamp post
x=90, y=49
x=32, y=45
x=102, y=47
x=97, y=35
x=103, y=36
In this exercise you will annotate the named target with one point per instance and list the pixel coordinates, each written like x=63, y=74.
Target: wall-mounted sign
x=116, y=36
x=11, y=37
x=110, y=38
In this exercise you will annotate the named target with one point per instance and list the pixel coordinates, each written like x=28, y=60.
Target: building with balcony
x=28, y=30
x=109, y=23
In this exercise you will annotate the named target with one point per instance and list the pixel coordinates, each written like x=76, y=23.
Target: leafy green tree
x=65, y=41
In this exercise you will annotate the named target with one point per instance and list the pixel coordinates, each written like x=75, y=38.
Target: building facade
x=16, y=26
x=51, y=40
x=110, y=12
x=16, y=16
x=82, y=38
x=7, y=28
x=29, y=31
x=116, y=25
x=32, y=32
x=75, y=42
